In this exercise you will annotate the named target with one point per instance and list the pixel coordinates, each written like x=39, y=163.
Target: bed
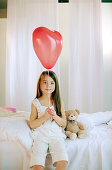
x=92, y=153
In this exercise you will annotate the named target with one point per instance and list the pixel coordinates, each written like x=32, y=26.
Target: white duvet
x=15, y=129
x=92, y=153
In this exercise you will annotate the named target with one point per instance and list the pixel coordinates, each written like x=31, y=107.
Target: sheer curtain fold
x=85, y=89
x=22, y=66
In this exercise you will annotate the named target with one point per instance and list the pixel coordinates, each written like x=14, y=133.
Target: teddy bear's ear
x=77, y=111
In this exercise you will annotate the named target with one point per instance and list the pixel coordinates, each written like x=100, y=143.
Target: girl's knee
x=38, y=167
x=61, y=164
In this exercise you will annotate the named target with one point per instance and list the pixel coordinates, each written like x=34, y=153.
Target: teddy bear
x=74, y=128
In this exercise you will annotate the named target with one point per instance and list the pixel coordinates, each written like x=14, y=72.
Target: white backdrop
x=85, y=89
x=85, y=60
x=107, y=53
x=22, y=66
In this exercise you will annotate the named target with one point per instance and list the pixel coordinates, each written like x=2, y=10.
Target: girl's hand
x=53, y=113
x=47, y=113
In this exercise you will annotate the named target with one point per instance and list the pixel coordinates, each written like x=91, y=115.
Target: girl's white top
x=49, y=128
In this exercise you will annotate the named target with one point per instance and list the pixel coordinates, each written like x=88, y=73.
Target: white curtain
x=107, y=53
x=22, y=66
x=85, y=89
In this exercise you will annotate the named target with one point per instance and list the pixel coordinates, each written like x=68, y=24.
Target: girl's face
x=47, y=85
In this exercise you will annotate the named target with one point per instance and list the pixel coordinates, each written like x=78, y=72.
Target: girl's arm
x=61, y=121
x=34, y=120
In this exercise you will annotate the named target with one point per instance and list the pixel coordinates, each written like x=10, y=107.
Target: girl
x=47, y=122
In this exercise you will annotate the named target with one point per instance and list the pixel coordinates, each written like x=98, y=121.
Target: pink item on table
x=11, y=109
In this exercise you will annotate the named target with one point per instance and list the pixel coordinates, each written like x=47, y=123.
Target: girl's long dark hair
x=55, y=95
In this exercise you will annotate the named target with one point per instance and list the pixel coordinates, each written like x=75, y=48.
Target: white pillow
x=94, y=119
x=23, y=114
x=99, y=118
x=6, y=113
x=86, y=120
x=15, y=129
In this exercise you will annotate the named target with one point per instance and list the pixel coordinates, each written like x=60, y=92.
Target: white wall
x=63, y=28
x=2, y=59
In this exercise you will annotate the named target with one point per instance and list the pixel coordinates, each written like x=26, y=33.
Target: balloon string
x=48, y=88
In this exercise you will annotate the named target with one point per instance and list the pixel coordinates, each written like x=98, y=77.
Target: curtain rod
x=67, y=1
x=63, y=1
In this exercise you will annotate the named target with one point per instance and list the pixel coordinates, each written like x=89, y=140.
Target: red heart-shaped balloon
x=47, y=45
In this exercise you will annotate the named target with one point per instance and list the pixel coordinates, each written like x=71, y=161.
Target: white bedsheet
x=91, y=153
x=13, y=156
